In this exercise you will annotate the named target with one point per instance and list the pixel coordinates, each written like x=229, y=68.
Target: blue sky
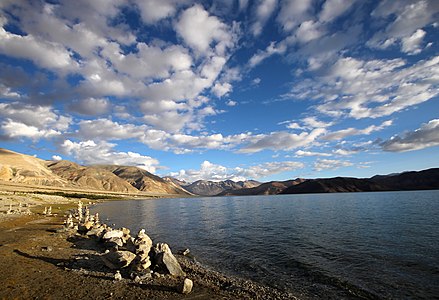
x=215, y=90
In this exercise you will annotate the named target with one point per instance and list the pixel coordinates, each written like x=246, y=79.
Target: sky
x=231, y=89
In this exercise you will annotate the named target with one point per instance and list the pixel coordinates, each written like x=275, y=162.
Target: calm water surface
x=369, y=245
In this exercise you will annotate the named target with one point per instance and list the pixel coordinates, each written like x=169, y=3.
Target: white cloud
x=14, y=129
x=43, y=53
x=344, y=152
x=412, y=44
x=6, y=92
x=231, y=103
x=91, y=106
x=29, y=121
x=341, y=134
x=104, y=129
x=214, y=172
x=199, y=30
x=425, y=136
x=309, y=30
x=264, y=10
x=371, y=88
x=221, y=89
x=332, y=164
x=169, y=121
x=149, y=61
x=409, y=16
x=91, y=153
x=294, y=12
x=271, y=49
x=281, y=140
x=293, y=125
x=207, y=171
x=56, y=157
x=268, y=168
x=307, y=123
x=312, y=122
x=155, y=10
x=332, y=9
x=301, y=153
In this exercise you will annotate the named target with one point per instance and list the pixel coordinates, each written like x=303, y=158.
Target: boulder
x=144, y=263
x=118, y=259
x=143, y=242
x=186, y=286
x=129, y=245
x=113, y=234
x=96, y=231
x=114, y=241
x=84, y=227
x=166, y=260
x=126, y=234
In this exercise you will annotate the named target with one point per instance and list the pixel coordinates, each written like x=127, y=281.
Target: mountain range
x=29, y=170
x=24, y=169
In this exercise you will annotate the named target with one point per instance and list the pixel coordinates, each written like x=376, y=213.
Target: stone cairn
x=47, y=211
x=19, y=210
x=136, y=256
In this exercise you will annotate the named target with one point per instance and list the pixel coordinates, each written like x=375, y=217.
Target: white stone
x=187, y=286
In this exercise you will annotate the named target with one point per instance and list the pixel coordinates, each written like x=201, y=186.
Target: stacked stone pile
x=135, y=256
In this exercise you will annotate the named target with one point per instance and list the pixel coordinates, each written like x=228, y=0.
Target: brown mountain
x=29, y=170
x=26, y=169
x=268, y=188
x=144, y=181
x=90, y=177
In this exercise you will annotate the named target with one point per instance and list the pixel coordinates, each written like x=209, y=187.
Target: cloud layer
x=262, y=80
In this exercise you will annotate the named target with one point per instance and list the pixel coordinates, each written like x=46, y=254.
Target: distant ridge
x=421, y=180
x=28, y=170
x=212, y=188
x=268, y=188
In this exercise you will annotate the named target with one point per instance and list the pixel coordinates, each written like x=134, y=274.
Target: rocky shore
x=74, y=255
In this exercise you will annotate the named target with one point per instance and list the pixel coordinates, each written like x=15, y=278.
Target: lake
x=344, y=245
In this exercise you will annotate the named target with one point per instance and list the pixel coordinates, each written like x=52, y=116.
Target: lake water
x=345, y=245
